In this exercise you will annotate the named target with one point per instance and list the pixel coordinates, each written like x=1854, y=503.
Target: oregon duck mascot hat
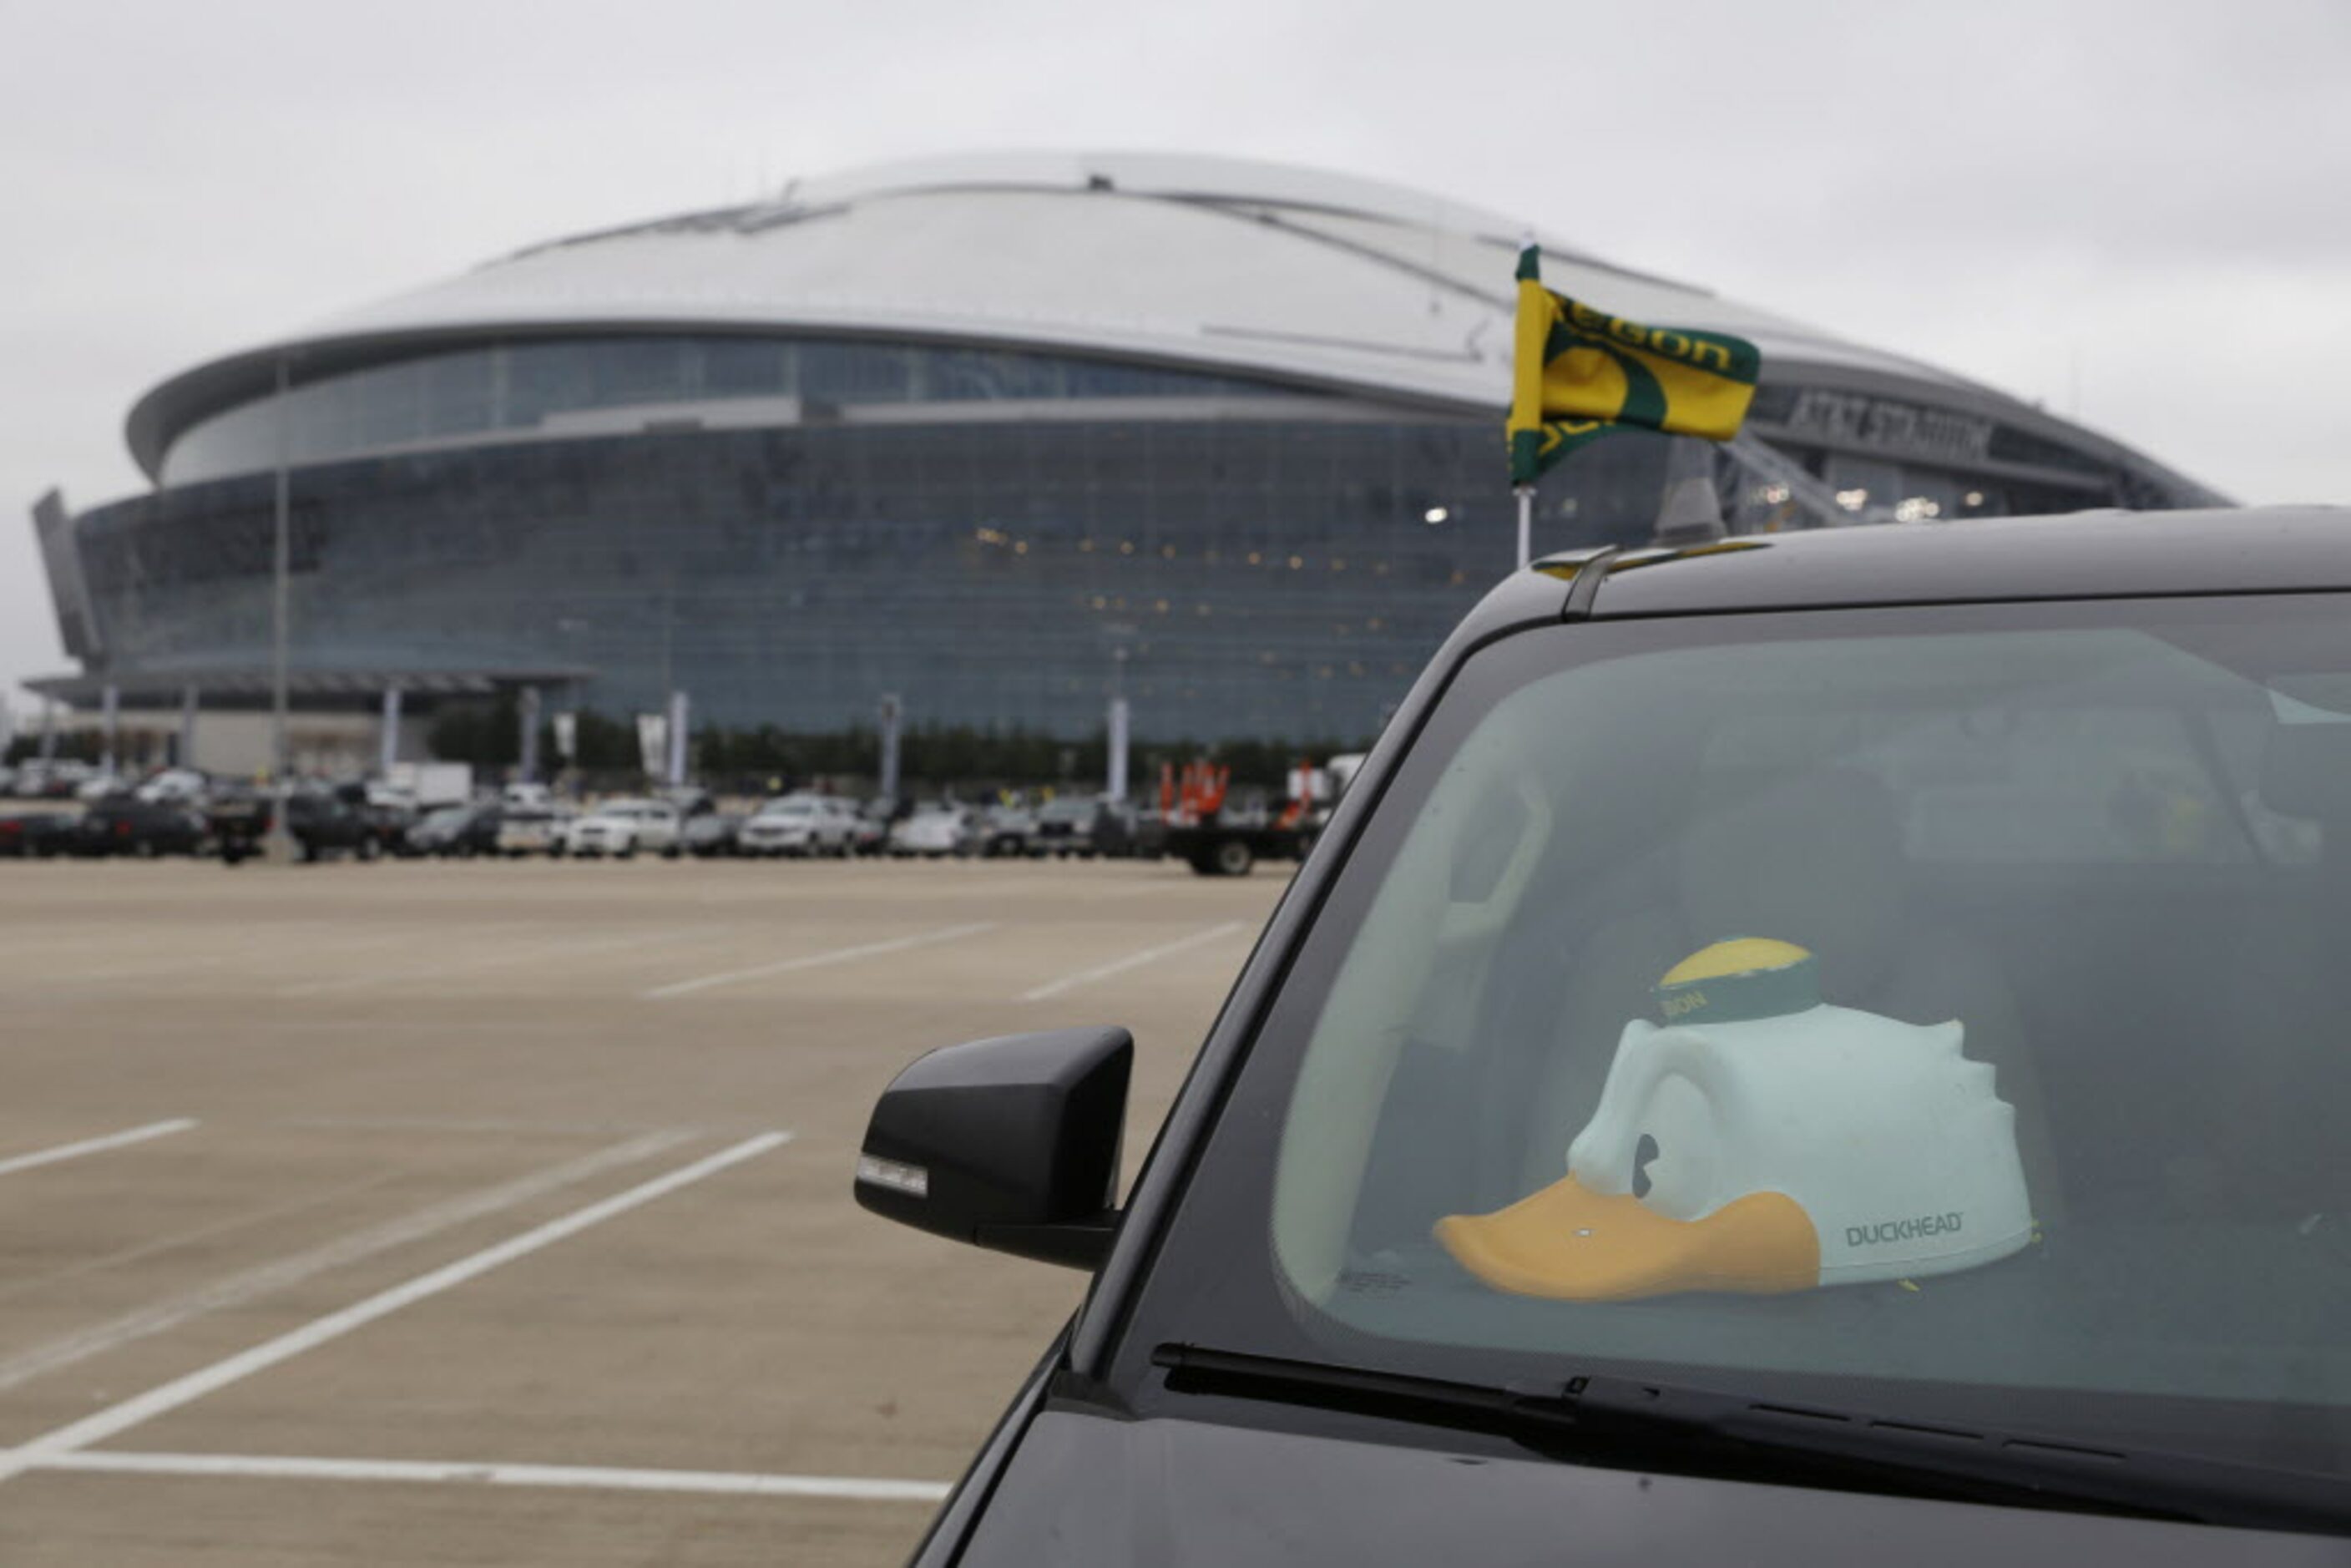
x=1764, y=1141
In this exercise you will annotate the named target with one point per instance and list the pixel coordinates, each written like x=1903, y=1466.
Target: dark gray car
x=1807, y=1049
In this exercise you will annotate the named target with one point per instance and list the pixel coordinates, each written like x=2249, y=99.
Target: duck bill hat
x=1764, y=1141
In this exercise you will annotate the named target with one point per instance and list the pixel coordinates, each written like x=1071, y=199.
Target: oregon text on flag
x=1580, y=373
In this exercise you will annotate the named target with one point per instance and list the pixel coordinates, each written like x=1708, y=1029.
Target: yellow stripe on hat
x=1742, y=956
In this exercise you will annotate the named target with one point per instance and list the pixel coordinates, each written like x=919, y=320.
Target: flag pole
x=1526, y=495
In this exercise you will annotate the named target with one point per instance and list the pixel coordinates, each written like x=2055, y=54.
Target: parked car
x=125, y=825
x=101, y=785
x=526, y=795
x=695, y=804
x=37, y=835
x=334, y=822
x=935, y=832
x=800, y=825
x=621, y=828
x=59, y=779
x=179, y=786
x=1084, y=827
x=380, y=793
x=389, y=818
x=869, y=832
x=1791, y=1045
x=714, y=833
x=529, y=830
x=456, y=833
x=559, y=833
x=1004, y=831
x=236, y=818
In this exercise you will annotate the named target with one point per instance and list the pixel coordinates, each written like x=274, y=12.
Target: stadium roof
x=1302, y=277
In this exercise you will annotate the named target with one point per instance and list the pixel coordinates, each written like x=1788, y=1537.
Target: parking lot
x=493, y=1212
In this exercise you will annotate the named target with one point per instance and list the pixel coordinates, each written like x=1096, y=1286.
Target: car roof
x=2081, y=555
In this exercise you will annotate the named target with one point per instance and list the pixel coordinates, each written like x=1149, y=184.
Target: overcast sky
x=2138, y=213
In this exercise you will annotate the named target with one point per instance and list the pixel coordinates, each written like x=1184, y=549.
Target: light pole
x=109, y=707
x=1114, y=785
x=892, y=713
x=280, y=843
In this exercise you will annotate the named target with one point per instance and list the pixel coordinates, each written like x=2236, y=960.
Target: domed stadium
x=998, y=437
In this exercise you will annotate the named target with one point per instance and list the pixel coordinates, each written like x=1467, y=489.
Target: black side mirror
x=1010, y=1143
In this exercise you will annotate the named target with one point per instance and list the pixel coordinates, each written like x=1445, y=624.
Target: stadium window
x=742, y=367
x=854, y=372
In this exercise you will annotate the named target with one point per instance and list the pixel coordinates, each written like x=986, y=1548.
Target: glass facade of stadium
x=788, y=530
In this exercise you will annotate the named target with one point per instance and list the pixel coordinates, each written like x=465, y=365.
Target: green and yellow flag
x=1578, y=374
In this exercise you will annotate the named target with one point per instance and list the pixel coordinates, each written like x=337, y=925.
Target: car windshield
x=788, y=809
x=1932, y=1009
x=1067, y=812
x=449, y=816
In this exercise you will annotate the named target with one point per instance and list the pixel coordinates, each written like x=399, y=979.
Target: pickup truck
x=322, y=822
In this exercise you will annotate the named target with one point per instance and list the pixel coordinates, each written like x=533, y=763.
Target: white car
x=621, y=828
x=935, y=832
x=532, y=830
x=52, y=779
x=800, y=825
x=173, y=786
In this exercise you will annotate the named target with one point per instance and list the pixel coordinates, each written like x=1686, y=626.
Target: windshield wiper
x=1635, y=1423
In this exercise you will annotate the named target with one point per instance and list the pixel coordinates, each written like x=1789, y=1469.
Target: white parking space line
x=1132, y=961
x=238, y=1289
x=96, y=1145
x=818, y=960
x=120, y=1418
x=600, y=1478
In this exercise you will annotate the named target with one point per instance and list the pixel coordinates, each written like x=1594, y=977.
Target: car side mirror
x=1011, y=1144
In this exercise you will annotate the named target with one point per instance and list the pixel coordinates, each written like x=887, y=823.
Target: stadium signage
x=1881, y=423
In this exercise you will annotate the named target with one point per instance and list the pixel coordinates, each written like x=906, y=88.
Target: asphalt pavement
x=492, y=1212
